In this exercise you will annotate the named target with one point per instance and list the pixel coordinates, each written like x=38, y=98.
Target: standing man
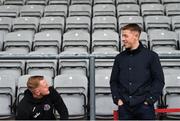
x=39, y=101
x=137, y=79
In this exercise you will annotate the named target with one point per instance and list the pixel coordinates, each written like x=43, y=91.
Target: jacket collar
x=135, y=51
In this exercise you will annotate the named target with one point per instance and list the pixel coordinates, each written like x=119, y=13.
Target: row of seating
x=82, y=42
x=73, y=85
x=67, y=2
x=88, y=10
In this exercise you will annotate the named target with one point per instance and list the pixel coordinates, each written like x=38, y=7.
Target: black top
x=41, y=109
x=137, y=76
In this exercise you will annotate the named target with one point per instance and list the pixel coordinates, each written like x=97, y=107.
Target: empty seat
x=47, y=41
x=78, y=22
x=73, y=66
x=9, y=11
x=31, y=11
x=172, y=9
x=80, y=10
x=176, y=23
x=128, y=9
x=41, y=67
x=59, y=2
x=73, y=89
x=170, y=1
x=149, y=1
x=19, y=42
x=55, y=11
x=6, y=23
x=76, y=38
x=2, y=36
x=157, y=22
x=22, y=85
x=104, y=2
x=123, y=20
x=81, y=2
x=52, y=23
x=104, y=22
x=36, y=2
x=14, y=2
x=30, y=23
x=152, y=9
x=163, y=37
x=104, y=39
x=104, y=10
x=126, y=2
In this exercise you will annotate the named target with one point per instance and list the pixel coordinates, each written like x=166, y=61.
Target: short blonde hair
x=33, y=82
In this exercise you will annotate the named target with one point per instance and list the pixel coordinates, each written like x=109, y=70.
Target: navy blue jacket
x=136, y=77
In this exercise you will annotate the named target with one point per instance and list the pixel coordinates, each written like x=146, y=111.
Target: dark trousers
x=138, y=112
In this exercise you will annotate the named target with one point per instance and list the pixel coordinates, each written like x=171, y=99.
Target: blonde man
x=39, y=101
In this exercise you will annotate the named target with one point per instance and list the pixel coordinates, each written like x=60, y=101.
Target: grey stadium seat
x=163, y=37
x=144, y=39
x=80, y=10
x=126, y=2
x=55, y=11
x=32, y=11
x=104, y=10
x=104, y=2
x=14, y=2
x=104, y=22
x=128, y=9
x=157, y=22
x=9, y=11
x=152, y=9
x=102, y=39
x=41, y=67
x=73, y=89
x=149, y=1
x=170, y=1
x=176, y=23
x=19, y=42
x=78, y=22
x=30, y=23
x=76, y=38
x=59, y=2
x=81, y=2
x=52, y=23
x=6, y=23
x=123, y=20
x=172, y=9
x=48, y=41
x=36, y=2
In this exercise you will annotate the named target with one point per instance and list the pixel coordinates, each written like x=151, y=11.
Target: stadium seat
x=80, y=10
x=104, y=2
x=172, y=9
x=144, y=39
x=149, y=1
x=55, y=11
x=78, y=22
x=73, y=89
x=104, y=22
x=128, y=10
x=36, y=2
x=59, y=2
x=52, y=23
x=32, y=11
x=14, y=2
x=104, y=39
x=81, y=2
x=176, y=23
x=41, y=67
x=6, y=23
x=18, y=42
x=165, y=2
x=28, y=23
x=9, y=11
x=152, y=9
x=47, y=41
x=104, y=10
x=126, y=2
x=157, y=22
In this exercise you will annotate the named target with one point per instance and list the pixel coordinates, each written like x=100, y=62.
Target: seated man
x=39, y=101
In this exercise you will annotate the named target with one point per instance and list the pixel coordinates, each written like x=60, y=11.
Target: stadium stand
x=85, y=28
